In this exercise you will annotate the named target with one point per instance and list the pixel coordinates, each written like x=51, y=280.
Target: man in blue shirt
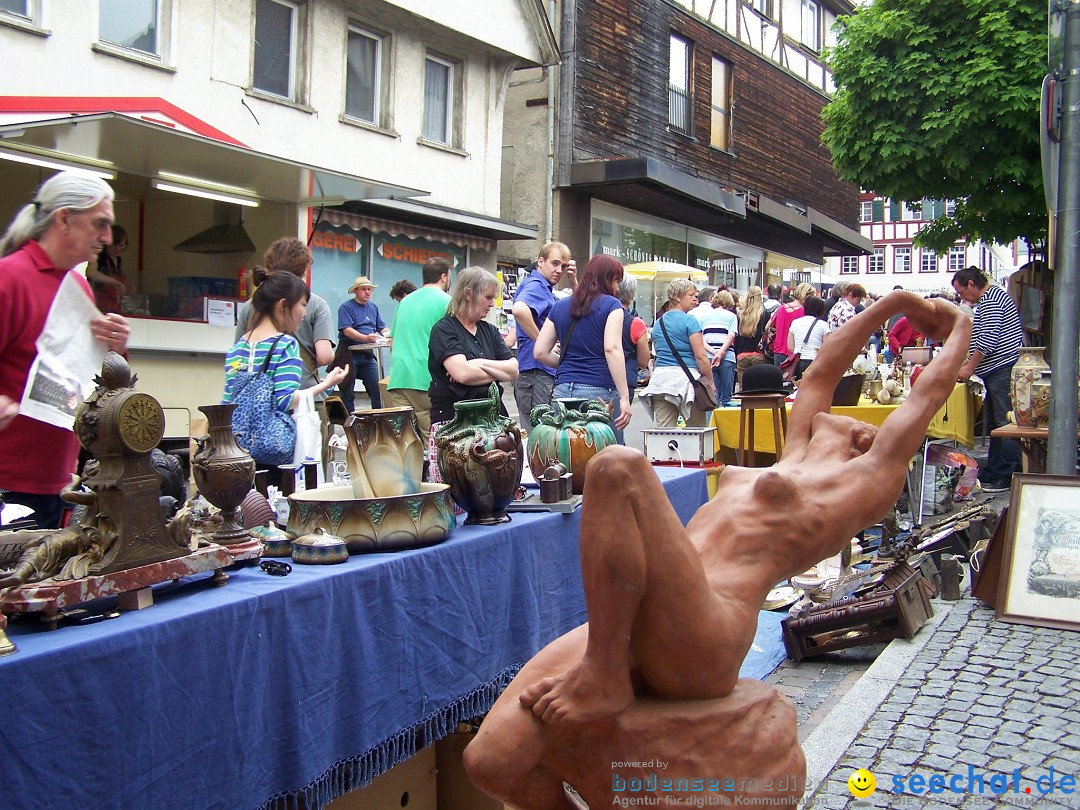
x=996, y=337
x=532, y=303
x=361, y=325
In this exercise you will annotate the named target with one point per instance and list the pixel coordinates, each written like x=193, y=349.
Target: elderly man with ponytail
x=67, y=224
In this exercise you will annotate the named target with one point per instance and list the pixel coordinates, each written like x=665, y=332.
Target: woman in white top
x=808, y=333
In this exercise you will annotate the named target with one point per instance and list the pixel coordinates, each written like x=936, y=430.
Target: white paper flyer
x=68, y=357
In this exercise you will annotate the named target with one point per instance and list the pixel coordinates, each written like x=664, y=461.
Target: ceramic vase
x=224, y=472
x=481, y=458
x=1031, y=388
x=386, y=453
x=570, y=435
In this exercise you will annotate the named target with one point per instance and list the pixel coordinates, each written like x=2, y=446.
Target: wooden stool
x=754, y=402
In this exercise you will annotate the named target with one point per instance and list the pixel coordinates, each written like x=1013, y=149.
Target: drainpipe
x=1061, y=447
x=549, y=192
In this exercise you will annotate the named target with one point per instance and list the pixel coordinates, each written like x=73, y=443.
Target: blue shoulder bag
x=268, y=434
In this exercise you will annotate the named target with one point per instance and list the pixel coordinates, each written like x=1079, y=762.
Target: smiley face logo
x=862, y=783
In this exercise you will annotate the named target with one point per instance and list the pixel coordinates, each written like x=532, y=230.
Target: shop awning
x=125, y=144
x=440, y=217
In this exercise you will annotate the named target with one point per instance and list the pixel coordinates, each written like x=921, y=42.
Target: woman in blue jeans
x=582, y=341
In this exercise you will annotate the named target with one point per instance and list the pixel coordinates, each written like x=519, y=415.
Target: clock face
x=141, y=423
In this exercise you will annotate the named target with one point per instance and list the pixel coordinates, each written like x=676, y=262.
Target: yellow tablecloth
x=955, y=421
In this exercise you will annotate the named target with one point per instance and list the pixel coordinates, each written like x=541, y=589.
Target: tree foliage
x=939, y=99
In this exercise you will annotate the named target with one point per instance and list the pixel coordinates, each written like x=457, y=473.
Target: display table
x=1033, y=441
x=307, y=685
x=955, y=421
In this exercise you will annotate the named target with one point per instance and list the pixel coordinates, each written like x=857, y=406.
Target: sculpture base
x=741, y=748
x=49, y=597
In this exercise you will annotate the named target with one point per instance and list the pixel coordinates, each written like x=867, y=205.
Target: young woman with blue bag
x=263, y=370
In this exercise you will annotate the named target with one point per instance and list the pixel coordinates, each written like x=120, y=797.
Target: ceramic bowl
x=319, y=548
x=375, y=524
x=275, y=542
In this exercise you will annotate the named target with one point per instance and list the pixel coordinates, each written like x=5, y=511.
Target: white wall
x=211, y=55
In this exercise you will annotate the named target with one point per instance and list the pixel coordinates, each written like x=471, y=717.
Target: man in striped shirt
x=996, y=337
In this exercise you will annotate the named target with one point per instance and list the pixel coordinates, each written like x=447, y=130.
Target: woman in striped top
x=277, y=308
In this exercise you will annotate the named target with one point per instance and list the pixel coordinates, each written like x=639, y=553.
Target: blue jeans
x=724, y=379
x=366, y=370
x=1004, y=455
x=582, y=391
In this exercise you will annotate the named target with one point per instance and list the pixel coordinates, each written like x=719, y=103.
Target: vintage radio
x=692, y=446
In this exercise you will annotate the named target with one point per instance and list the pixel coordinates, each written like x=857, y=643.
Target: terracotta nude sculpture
x=653, y=677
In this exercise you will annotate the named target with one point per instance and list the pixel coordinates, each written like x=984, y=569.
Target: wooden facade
x=618, y=68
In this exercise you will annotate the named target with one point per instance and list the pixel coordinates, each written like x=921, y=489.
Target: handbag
x=704, y=400
x=768, y=334
x=268, y=434
x=791, y=362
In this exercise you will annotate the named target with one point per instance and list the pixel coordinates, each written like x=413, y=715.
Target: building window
x=364, y=76
x=866, y=211
x=277, y=47
x=811, y=25
x=138, y=25
x=679, y=85
x=950, y=208
x=877, y=261
x=720, y=125
x=762, y=7
x=849, y=265
x=439, y=100
x=956, y=258
x=929, y=262
x=20, y=8
x=912, y=213
x=902, y=260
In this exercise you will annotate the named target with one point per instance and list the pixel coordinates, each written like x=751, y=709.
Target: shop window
x=278, y=48
x=140, y=26
x=364, y=75
x=440, y=100
x=957, y=253
x=929, y=262
x=679, y=85
x=902, y=260
x=866, y=211
x=877, y=261
x=849, y=265
x=720, y=125
x=811, y=25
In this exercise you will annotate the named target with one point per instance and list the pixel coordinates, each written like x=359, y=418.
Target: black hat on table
x=764, y=378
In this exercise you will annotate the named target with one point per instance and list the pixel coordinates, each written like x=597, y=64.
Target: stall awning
x=440, y=217
x=666, y=271
x=124, y=143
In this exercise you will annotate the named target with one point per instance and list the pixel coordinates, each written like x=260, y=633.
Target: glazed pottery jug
x=481, y=457
x=571, y=435
x=1031, y=388
x=223, y=472
x=386, y=454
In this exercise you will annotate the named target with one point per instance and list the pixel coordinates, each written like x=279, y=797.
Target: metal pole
x=1065, y=338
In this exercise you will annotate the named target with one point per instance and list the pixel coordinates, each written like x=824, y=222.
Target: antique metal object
x=224, y=472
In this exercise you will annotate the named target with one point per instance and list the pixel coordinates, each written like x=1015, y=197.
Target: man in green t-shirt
x=409, y=333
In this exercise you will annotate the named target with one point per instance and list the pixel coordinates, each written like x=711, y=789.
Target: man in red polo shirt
x=67, y=224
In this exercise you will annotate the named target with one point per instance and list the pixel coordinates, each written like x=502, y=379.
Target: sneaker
x=996, y=486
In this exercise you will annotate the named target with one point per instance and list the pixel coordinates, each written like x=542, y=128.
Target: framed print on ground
x=1040, y=579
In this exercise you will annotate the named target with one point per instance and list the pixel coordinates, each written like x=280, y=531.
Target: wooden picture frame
x=1040, y=577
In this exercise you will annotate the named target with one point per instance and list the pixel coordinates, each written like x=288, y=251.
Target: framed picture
x=1040, y=578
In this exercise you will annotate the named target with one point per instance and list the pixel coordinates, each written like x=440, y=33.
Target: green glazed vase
x=569, y=431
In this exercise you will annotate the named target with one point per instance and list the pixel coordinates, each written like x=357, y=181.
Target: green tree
x=940, y=99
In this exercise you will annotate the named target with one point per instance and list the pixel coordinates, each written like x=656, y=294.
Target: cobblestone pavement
x=980, y=697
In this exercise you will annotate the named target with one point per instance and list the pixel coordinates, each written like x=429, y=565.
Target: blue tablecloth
x=303, y=686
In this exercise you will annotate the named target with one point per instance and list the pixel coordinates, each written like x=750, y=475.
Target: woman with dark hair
x=806, y=334
x=108, y=279
x=588, y=328
x=277, y=310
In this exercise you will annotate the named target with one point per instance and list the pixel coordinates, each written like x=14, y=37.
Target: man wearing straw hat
x=361, y=326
